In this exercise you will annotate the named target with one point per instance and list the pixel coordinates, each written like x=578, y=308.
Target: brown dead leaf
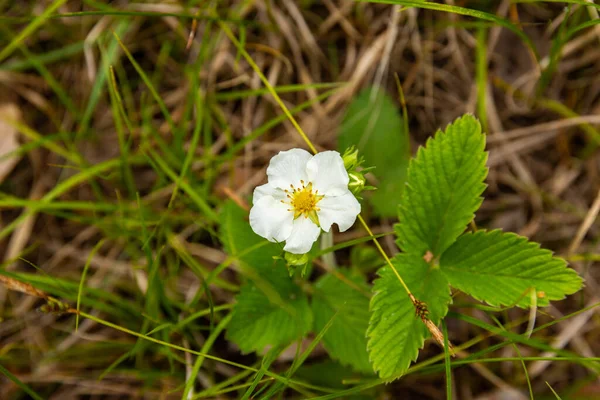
x=22, y=287
x=8, y=139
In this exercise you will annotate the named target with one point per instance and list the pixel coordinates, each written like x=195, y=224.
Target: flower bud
x=296, y=259
x=357, y=182
x=350, y=158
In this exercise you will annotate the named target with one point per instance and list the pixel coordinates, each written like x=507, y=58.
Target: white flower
x=304, y=194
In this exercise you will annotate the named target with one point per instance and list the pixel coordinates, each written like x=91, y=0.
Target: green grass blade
x=84, y=273
x=243, y=94
x=296, y=385
x=48, y=77
x=200, y=359
x=61, y=188
x=149, y=85
x=29, y=29
x=48, y=57
x=463, y=11
x=194, y=195
x=553, y=392
x=271, y=124
x=580, y=2
x=266, y=362
x=119, y=116
x=20, y=384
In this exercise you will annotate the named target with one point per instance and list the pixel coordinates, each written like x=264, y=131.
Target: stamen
x=303, y=200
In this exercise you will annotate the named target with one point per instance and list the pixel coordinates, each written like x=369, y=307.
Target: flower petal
x=341, y=210
x=268, y=190
x=271, y=219
x=304, y=234
x=327, y=173
x=288, y=167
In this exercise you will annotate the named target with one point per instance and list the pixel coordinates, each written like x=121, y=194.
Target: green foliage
x=395, y=331
x=346, y=299
x=270, y=310
x=505, y=269
x=444, y=187
x=277, y=318
x=372, y=124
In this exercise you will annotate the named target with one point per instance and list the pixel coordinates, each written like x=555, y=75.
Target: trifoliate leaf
x=346, y=299
x=444, y=186
x=506, y=269
x=372, y=124
x=395, y=332
x=270, y=310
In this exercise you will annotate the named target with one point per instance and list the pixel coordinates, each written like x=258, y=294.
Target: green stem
x=327, y=242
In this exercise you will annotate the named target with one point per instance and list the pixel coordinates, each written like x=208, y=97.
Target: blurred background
x=101, y=102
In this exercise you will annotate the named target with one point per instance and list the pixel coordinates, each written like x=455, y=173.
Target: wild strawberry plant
x=380, y=327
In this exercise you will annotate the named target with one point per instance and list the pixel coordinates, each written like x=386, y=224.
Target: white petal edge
x=288, y=167
x=327, y=173
x=271, y=219
x=304, y=234
x=341, y=210
x=268, y=190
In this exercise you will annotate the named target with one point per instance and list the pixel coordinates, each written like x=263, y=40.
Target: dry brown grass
x=544, y=176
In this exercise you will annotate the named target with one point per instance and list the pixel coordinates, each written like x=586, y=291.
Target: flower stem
x=327, y=242
x=387, y=259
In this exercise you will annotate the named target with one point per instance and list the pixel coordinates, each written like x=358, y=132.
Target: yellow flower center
x=304, y=201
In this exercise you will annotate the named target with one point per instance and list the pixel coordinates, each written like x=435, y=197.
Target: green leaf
x=270, y=310
x=395, y=332
x=444, y=186
x=374, y=126
x=347, y=298
x=260, y=319
x=504, y=269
